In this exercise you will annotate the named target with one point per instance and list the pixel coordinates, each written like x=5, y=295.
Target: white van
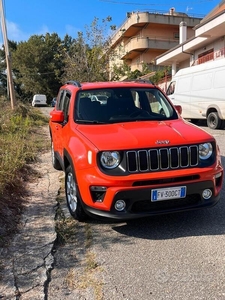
x=200, y=90
x=39, y=100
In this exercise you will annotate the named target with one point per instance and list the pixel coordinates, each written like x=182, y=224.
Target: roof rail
x=145, y=81
x=73, y=82
x=139, y=81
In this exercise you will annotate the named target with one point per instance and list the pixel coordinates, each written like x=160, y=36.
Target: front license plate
x=168, y=193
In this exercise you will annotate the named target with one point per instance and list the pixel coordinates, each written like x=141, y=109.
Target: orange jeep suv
x=131, y=155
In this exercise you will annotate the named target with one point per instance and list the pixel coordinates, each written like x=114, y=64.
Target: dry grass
x=86, y=275
x=19, y=145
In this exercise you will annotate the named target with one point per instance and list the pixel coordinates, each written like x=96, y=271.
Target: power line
x=155, y=4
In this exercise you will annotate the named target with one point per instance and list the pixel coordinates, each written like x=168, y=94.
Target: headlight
x=110, y=159
x=205, y=151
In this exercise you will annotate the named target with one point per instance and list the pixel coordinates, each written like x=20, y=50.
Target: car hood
x=132, y=135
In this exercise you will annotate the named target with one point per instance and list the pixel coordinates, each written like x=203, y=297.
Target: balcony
x=211, y=56
x=137, y=45
x=136, y=21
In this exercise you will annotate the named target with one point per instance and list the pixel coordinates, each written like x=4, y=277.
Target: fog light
x=206, y=194
x=120, y=205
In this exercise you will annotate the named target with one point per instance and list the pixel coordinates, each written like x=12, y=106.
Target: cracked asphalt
x=29, y=259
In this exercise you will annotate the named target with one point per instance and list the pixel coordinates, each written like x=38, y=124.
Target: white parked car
x=39, y=100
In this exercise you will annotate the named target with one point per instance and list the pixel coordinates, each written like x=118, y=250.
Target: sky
x=25, y=18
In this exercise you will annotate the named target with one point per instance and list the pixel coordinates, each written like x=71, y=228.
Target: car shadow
x=172, y=226
x=206, y=221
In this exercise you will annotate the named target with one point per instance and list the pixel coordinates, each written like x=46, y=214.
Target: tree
x=38, y=65
x=41, y=64
x=160, y=74
x=87, y=59
x=125, y=71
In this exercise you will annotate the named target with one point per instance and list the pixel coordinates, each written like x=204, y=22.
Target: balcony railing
x=152, y=38
x=211, y=56
x=148, y=42
x=150, y=11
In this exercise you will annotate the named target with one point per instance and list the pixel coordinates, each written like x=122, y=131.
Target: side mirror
x=57, y=116
x=178, y=109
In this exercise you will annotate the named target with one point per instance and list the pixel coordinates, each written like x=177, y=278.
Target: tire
x=213, y=120
x=55, y=162
x=73, y=197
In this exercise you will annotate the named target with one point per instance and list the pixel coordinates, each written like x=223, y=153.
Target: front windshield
x=122, y=105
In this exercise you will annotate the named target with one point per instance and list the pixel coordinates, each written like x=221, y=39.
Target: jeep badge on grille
x=162, y=142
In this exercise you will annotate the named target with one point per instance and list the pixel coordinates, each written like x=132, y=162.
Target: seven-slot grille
x=162, y=159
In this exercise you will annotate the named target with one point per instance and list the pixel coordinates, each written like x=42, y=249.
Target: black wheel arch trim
x=59, y=158
x=213, y=108
x=67, y=160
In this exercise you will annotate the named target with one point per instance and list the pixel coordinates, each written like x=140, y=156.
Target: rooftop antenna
x=188, y=8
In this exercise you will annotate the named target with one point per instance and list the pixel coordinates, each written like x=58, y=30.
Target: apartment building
x=207, y=44
x=145, y=35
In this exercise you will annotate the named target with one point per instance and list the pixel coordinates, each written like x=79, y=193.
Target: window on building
x=176, y=35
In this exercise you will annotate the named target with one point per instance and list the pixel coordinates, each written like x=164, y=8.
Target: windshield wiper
x=88, y=121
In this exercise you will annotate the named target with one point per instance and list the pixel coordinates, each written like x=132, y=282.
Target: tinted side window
x=60, y=102
x=64, y=103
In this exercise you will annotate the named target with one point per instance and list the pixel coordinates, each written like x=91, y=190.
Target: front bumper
x=139, y=204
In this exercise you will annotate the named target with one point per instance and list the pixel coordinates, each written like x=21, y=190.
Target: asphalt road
x=176, y=256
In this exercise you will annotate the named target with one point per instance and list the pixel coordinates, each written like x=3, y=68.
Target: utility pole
x=7, y=57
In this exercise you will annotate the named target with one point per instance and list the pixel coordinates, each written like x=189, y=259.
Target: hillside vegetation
x=20, y=142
